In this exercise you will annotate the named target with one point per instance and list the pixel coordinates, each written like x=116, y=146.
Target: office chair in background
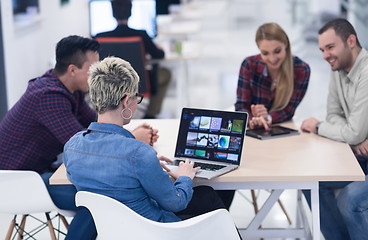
x=130, y=49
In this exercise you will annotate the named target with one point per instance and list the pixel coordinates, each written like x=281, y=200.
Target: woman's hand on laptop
x=185, y=169
x=163, y=161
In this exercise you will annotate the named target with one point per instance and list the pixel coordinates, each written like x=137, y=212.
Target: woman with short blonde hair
x=110, y=81
x=107, y=159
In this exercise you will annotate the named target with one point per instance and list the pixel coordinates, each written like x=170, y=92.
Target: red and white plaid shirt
x=254, y=87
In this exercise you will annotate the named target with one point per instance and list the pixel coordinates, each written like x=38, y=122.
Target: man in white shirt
x=346, y=121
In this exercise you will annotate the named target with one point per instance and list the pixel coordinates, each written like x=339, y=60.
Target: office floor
x=227, y=37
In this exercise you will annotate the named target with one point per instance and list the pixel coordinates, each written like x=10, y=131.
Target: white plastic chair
x=24, y=193
x=114, y=220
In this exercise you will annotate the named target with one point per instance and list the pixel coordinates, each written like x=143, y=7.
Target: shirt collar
x=110, y=129
x=52, y=77
x=359, y=63
x=121, y=26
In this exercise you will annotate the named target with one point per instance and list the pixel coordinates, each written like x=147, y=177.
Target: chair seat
x=114, y=220
x=24, y=193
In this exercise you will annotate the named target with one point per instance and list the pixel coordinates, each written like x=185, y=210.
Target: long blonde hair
x=284, y=90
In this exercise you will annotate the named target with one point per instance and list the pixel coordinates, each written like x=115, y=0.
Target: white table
x=173, y=27
x=296, y=162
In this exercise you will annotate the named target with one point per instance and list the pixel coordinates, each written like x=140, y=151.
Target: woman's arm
x=170, y=196
x=244, y=92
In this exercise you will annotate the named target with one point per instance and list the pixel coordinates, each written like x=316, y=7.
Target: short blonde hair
x=110, y=81
x=285, y=88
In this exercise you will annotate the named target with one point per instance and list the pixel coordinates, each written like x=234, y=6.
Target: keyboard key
x=204, y=166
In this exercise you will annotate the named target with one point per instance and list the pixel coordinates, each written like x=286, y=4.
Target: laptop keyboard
x=204, y=166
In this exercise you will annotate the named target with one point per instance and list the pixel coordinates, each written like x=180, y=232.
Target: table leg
x=258, y=219
x=302, y=230
x=315, y=211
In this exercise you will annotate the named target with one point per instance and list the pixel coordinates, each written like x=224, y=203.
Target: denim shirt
x=108, y=160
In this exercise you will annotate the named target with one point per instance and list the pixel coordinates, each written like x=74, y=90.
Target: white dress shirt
x=347, y=104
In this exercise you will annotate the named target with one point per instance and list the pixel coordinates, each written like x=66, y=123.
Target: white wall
x=358, y=17
x=29, y=51
x=325, y=6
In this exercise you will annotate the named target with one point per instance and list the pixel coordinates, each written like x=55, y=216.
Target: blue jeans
x=333, y=226
x=337, y=216
x=353, y=205
x=82, y=226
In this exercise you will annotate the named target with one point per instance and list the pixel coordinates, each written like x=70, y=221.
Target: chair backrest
x=23, y=192
x=114, y=220
x=130, y=49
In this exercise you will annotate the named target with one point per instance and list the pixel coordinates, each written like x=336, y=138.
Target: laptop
x=213, y=139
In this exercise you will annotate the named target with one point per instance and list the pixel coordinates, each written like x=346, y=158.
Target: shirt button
x=178, y=194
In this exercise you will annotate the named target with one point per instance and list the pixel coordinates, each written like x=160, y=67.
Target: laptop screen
x=211, y=135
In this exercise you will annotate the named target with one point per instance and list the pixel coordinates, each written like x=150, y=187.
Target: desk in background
x=172, y=26
x=175, y=34
x=177, y=55
x=296, y=162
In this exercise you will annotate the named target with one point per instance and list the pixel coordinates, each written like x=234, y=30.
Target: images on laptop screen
x=143, y=16
x=211, y=135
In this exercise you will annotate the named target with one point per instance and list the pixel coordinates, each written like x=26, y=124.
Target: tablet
x=272, y=132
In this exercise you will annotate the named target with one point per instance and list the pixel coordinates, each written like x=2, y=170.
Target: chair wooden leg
x=254, y=200
x=51, y=227
x=21, y=227
x=284, y=210
x=255, y=204
x=65, y=222
x=11, y=228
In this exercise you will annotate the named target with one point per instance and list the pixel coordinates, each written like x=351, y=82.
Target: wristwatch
x=269, y=118
x=317, y=126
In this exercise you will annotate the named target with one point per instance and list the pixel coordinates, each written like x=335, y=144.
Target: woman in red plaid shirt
x=272, y=83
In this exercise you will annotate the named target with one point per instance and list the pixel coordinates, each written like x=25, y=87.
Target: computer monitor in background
x=143, y=16
x=162, y=6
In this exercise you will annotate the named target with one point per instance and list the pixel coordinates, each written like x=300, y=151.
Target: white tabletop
x=302, y=158
x=305, y=157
